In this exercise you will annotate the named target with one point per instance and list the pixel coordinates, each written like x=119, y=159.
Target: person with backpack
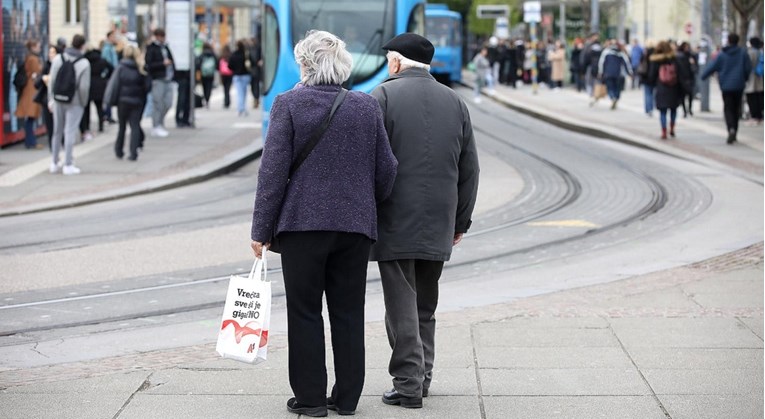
x=732, y=66
x=226, y=75
x=68, y=96
x=610, y=66
x=754, y=86
x=24, y=81
x=207, y=64
x=128, y=90
x=663, y=74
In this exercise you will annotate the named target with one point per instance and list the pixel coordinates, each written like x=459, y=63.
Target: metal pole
x=84, y=6
x=706, y=48
x=562, y=19
x=645, y=20
x=192, y=65
x=131, y=20
x=534, y=85
x=595, y=18
x=209, y=20
x=725, y=22
x=620, y=27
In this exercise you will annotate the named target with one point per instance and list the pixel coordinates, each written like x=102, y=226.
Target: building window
x=72, y=11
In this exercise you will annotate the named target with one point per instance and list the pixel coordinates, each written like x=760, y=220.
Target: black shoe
x=731, y=137
x=424, y=392
x=331, y=406
x=133, y=158
x=394, y=398
x=314, y=411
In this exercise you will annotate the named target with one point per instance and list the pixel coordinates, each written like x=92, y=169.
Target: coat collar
x=411, y=73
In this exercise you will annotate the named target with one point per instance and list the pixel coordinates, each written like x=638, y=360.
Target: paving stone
x=756, y=324
x=161, y=406
x=434, y=407
x=665, y=298
x=690, y=358
x=559, y=358
x=446, y=382
x=713, y=406
x=254, y=380
x=580, y=407
x=562, y=382
x=684, y=333
x=92, y=405
x=116, y=384
x=725, y=382
x=495, y=334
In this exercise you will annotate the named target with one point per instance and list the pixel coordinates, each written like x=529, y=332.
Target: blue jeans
x=241, y=84
x=648, y=97
x=613, y=88
x=663, y=116
x=30, y=139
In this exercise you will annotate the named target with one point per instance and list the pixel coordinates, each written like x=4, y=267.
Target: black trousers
x=755, y=105
x=183, y=108
x=410, y=290
x=732, y=110
x=315, y=263
x=129, y=114
x=207, y=85
x=226, y=82
x=85, y=121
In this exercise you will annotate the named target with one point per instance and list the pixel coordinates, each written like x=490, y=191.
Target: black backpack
x=65, y=86
x=20, y=79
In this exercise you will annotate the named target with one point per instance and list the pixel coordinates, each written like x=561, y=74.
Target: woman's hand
x=258, y=247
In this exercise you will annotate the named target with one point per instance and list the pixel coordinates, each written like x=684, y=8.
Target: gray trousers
x=66, y=124
x=410, y=289
x=161, y=101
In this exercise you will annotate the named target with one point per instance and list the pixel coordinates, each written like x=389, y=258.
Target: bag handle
x=259, y=268
x=318, y=133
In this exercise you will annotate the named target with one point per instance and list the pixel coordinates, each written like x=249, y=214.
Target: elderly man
x=428, y=211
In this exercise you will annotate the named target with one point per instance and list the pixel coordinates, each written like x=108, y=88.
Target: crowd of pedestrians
x=669, y=73
x=61, y=90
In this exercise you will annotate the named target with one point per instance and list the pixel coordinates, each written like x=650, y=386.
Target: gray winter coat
x=437, y=183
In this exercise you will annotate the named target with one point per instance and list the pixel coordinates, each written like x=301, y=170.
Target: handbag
x=243, y=333
x=308, y=148
x=600, y=91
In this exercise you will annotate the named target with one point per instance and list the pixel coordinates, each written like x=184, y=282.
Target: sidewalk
x=700, y=137
x=220, y=142
x=683, y=343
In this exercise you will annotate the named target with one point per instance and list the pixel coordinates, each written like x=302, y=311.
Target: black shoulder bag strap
x=318, y=133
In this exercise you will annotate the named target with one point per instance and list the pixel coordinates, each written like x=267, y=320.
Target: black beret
x=412, y=46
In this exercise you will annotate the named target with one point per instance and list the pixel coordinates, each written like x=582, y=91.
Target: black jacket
x=667, y=97
x=686, y=62
x=100, y=71
x=435, y=190
x=239, y=63
x=133, y=86
x=155, y=61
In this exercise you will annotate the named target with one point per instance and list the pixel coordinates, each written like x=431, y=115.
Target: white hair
x=323, y=59
x=406, y=62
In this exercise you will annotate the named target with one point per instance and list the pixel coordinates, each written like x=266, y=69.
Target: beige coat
x=755, y=82
x=28, y=108
x=557, y=60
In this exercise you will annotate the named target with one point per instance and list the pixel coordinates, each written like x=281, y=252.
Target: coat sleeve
x=274, y=172
x=385, y=162
x=467, y=186
x=710, y=68
x=84, y=85
x=52, y=79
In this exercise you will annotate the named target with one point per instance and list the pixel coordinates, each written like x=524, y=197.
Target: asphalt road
x=150, y=272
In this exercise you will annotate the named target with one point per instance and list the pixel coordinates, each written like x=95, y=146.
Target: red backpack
x=668, y=74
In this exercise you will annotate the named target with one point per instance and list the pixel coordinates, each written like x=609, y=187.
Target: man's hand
x=258, y=248
x=457, y=239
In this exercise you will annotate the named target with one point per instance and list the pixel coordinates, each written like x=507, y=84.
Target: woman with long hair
x=132, y=86
x=665, y=72
x=28, y=108
x=226, y=75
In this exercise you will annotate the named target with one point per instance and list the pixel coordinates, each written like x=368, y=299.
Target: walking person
x=132, y=86
x=428, y=211
x=665, y=73
x=754, y=86
x=482, y=72
x=161, y=69
x=557, y=59
x=240, y=64
x=28, y=109
x=324, y=218
x=70, y=95
x=636, y=53
x=733, y=67
x=226, y=75
x=100, y=71
x=577, y=72
x=109, y=53
x=256, y=61
x=207, y=64
x=613, y=62
x=589, y=60
x=688, y=61
x=648, y=85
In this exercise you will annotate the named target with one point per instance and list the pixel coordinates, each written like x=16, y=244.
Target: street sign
x=493, y=11
x=501, y=28
x=532, y=11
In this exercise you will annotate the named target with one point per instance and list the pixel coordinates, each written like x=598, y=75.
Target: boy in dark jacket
x=732, y=66
x=161, y=69
x=100, y=71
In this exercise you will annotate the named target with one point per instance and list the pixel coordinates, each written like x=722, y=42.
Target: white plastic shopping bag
x=243, y=334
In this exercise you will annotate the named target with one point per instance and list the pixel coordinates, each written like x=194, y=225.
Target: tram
x=364, y=25
x=443, y=28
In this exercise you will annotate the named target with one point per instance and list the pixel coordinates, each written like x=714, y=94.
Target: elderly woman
x=324, y=219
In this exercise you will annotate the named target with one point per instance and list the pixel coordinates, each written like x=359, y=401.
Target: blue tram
x=443, y=28
x=364, y=25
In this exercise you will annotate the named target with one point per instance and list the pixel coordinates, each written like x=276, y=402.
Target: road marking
x=564, y=223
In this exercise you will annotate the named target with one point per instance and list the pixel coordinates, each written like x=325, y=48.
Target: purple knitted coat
x=338, y=186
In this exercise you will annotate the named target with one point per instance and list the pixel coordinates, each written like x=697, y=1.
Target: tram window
x=364, y=25
x=270, y=36
x=439, y=31
x=417, y=20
